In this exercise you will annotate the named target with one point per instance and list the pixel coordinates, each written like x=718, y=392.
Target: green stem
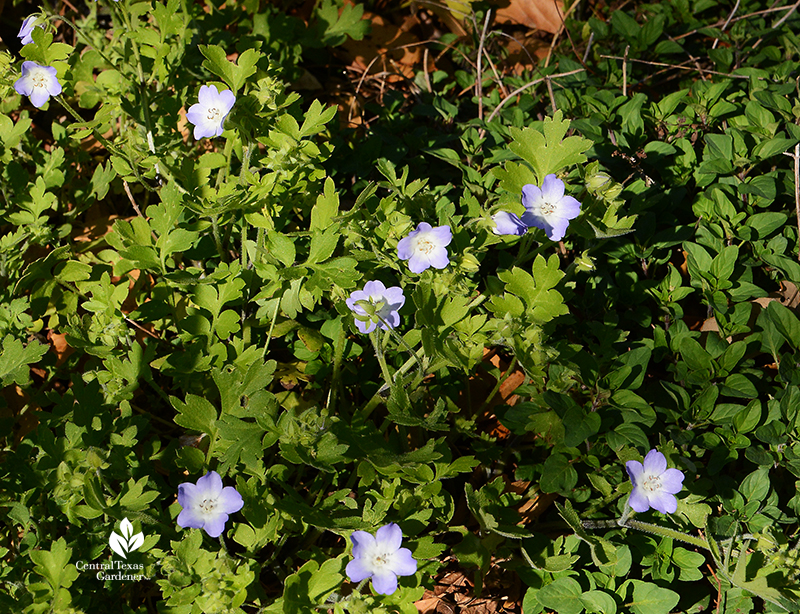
x=212, y=439
x=246, y=150
x=105, y=142
x=338, y=354
x=387, y=376
x=223, y=172
x=665, y=532
x=272, y=326
x=243, y=248
x=531, y=254
x=218, y=238
x=377, y=398
x=142, y=82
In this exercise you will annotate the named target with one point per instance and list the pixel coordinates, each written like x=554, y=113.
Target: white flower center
x=213, y=114
x=39, y=78
x=425, y=246
x=380, y=560
x=208, y=506
x=547, y=208
x=652, y=483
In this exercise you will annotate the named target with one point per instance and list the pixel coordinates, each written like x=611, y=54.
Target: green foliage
x=171, y=308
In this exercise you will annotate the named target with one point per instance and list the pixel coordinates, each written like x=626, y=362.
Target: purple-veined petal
x=230, y=501
x=190, y=519
x=418, y=262
x=207, y=96
x=438, y=258
x=531, y=196
x=552, y=188
x=404, y=248
x=227, y=100
x=638, y=500
x=655, y=462
x=635, y=471
x=363, y=542
x=391, y=320
x=389, y=537
x=365, y=326
x=402, y=563
x=187, y=493
x=384, y=582
x=507, y=223
x=442, y=235
x=210, y=485
x=374, y=288
x=672, y=481
x=215, y=525
x=39, y=97
x=558, y=227
x=358, y=569
x=394, y=296
x=568, y=208
x=663, y=502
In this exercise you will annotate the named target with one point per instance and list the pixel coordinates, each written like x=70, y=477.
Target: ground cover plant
x=295, y=321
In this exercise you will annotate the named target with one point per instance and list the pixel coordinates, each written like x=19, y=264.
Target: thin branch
x=625, y=72
x=588, y=48
x=527, y=86
x=479, y=84
x=727, y=21
x=552, y=97
x=797, y=192
x=796, y=156
x=702, y=70
x=497, y=78
x=561, y=29
x=425, y=71
x=785, y=17
x=778, y=23
x=136, y=208
x=764, y=12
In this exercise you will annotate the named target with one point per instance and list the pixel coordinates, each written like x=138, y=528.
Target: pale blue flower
x=206, y=505
x=507, y=223
x=548, y=207
x=37, y=83
x=653, y=484
x=380, y=558
x=376, y=305
x=425, y=247
x=27, y=28
x=208, y=115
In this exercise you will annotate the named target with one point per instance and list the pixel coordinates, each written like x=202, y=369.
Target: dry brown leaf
x=94, y=229
x=544, y=15
x=58, y=342
x=531, y=509
x=386, y=48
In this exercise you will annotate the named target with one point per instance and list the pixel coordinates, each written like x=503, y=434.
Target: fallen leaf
x=535, y=14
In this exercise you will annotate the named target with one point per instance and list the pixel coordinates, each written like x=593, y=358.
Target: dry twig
x=479, y=83
x=796, y=156
x=680, y=66
x=727, y=21
x=530, y=84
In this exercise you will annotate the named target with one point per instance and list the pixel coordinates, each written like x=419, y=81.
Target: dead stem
x=796, y=156
x=679, y=66
x=625, y=72
x=727, y=21
x=479, y=83
x=529, y=85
